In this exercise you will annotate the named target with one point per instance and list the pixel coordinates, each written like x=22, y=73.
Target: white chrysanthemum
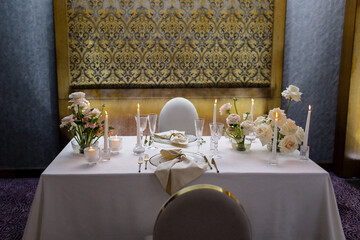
x=94, y=113
x=67, y=120
x=264, y=133
x=289, y=127
x=225, y=108
x=281, y=116
x=233, y=119
x=288, y=144
x=300, y=134
x=292, y=92
x=248, y=127
x=76, y=95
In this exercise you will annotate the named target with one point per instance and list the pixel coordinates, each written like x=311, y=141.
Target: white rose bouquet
x=83, y=122
x=290, y=136
x=236, y=128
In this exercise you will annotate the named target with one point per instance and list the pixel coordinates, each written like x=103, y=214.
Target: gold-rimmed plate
x=158, y=158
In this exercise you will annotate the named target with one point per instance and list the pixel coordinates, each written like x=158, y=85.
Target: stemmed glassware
x=216, y=131
x=152, y=117
x=199, y=127
x=143, y=123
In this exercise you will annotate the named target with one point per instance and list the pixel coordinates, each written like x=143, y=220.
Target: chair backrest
x=178, y=114
x=202, y=212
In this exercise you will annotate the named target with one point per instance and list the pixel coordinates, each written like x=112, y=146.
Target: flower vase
x=270, y=145
x=80, y=148
x=239, y=146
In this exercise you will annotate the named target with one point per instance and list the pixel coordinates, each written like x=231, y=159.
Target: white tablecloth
x=111, y=200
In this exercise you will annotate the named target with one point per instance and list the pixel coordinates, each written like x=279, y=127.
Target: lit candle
x=91, y=155
x=307, y=127
x=138, y=124
x=214, y=114
x=252, y=109
x=106, y=130
x=114, y=143
x=275, y=134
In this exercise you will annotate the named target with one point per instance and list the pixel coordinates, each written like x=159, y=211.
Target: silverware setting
x=207, y=161
x=140, y=161
x=146, y=159
x=214, y=163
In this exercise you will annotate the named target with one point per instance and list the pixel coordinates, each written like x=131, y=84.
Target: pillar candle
x=106, y=130
x=214, y=114
x=275, y=134
x=307, y=127
x=138, y=125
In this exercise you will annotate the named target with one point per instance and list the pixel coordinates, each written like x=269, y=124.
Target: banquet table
x=112, y=200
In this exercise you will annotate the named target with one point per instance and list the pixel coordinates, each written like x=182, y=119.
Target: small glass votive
x=92, y=154
x=304, y=152
x=115, y=143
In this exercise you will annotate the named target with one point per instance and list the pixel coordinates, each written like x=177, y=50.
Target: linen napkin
x=176, y=170
x=167, y=134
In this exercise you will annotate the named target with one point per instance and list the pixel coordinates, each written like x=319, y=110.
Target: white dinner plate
x=191, y=138
x=158, y=158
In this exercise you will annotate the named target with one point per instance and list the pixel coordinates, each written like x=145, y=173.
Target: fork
x=214, y=163
x=140, y=161
x=146, y=159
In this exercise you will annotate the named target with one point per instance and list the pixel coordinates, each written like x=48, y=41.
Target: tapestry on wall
x=170, y=43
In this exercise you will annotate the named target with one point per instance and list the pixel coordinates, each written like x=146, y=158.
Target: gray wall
x=313, y=38
x=28, y=115
x=29, y=135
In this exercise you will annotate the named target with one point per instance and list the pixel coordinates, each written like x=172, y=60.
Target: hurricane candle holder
x=115, y=143
x=92, y=154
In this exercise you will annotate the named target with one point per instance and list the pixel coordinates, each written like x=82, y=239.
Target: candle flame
x=138, y=105
x=276, y=115
x=215, y=101
x=309, y=107
x=252, y=100
x=106, y=113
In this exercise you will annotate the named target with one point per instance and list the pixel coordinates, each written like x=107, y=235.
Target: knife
x=207, y=161
x=140, y=161
x=214, y=163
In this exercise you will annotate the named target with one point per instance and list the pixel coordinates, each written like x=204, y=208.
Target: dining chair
x=202, y=212
x=178, y=114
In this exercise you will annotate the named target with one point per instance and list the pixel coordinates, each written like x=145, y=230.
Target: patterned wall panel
x=171, y=43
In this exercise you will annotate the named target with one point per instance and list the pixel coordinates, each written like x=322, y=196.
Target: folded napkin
x=176, y=170
x=175, y=137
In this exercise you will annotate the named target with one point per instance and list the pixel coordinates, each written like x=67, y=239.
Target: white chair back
x=178, y=114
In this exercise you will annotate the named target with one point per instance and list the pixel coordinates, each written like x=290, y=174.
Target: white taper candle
x=275, y=135
x=306, y=138
x=252, y=109
x=214, y=114
x=106, y=130
x=138, y=124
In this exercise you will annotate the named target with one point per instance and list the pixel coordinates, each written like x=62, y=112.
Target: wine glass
x=199, y=127
x=152, y=117
x=216, y=133
x=143, y=122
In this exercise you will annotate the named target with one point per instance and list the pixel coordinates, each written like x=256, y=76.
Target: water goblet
x=143, y=123
x=199, y=127
x=216, y=131
x=152, y=117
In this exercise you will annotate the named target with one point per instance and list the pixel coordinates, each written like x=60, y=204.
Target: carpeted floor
x=16, y=195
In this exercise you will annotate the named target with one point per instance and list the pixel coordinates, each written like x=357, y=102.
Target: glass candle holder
x=92, y=154
x=115, y=143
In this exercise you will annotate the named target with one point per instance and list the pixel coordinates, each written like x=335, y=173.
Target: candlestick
x=307, y=127
x=274, y=159
x=138, y=125
x=214, y=114
x=252, y=109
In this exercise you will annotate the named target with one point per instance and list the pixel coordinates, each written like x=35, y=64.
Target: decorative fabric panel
x=170, y=43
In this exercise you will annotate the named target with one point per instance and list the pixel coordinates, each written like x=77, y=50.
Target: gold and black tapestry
x=170, y=43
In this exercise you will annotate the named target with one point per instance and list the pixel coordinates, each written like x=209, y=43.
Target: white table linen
x=111, y=200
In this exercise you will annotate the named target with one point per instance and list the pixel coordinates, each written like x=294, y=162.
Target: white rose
x=281, y=116
x=225, y=108
x=292, y=92
x=67, y=120
x=300, y=134
x=248, y=127
x=233, y=119
x=260, y=120
x=289, y=127
x=288, y=144
x=264, y=133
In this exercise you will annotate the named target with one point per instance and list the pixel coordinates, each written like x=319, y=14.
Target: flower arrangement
x=237, y=128
x=289, y=135
x=83, y=122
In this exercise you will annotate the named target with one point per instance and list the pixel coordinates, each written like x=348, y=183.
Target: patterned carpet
x=16, y=195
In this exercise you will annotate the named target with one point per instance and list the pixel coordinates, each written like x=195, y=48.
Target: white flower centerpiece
x=237, y=128
x=84, y=122
x=290, y=136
